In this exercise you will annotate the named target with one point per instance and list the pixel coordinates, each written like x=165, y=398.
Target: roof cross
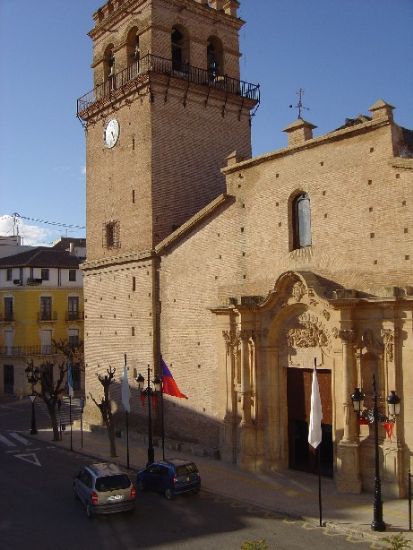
x=300, y=105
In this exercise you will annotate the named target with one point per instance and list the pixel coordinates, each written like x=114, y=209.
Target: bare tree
x=105, y=407
x=50, y=391
x=72, y=352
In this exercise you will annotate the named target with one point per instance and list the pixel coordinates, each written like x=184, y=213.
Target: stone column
x=274, y=433
x=248, y=442
x=229, y=446
x=246, y=377
x=348, y=461
x=350, y=431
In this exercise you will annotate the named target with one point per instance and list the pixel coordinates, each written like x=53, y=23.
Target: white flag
x=125, y=390
x=316, y=414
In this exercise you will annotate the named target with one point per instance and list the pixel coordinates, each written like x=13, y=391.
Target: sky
x=344, y=54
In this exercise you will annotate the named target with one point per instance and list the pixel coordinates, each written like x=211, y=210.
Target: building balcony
x=138, y=73
x=46, y=316
x=27, y=351
x=7, y=317
x=74, y=315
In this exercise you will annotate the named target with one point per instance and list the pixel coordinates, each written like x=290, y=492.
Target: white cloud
x=32, y=235
x=83, y=170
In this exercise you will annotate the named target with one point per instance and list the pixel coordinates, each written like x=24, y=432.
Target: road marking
x=6, y=441
x=19, y=438
x=30, y=457
x=13, y=451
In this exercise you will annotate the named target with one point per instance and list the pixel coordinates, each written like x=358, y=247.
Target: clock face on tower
x=111, y=133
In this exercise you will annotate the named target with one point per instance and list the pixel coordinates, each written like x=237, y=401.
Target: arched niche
x=109, y=62
x=215, y=57
x=179, y=48
x=133, y=47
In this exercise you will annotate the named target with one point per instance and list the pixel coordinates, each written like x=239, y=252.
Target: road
x=38, y=511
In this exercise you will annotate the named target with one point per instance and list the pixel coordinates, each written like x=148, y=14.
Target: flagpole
x=162, y=422
x=320, y=503
x=127, y=440
x=127, y=425
x=70, y=421
x=315, y=434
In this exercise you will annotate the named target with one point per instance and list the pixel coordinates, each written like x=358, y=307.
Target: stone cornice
x=129, y=257
x=402, y=163
x=311, y=143
x=193, y=222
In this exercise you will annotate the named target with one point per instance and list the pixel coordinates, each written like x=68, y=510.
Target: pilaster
x=348, y=477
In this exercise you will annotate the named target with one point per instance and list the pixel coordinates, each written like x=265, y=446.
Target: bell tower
x=166, y=110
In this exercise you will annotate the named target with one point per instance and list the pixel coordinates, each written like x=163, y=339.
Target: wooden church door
x=301, y=455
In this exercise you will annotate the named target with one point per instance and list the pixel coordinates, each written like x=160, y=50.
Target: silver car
x=104, y=489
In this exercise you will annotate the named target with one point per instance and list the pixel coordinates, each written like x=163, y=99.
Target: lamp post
x=148, y=392
x=33, y=376
x=373, y=416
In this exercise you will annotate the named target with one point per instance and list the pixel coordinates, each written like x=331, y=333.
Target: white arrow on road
x=29, y=457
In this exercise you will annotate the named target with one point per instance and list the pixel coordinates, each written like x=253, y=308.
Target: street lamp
x=33, y=376
x=148, y=392
x=373, y=416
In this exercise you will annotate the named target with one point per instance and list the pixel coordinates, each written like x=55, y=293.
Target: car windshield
x=186, y=469
x=111, y=483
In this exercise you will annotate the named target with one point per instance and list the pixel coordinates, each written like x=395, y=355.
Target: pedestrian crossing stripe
x=19, y=438
x=6, y=441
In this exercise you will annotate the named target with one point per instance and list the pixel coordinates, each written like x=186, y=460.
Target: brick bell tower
x=166, y=110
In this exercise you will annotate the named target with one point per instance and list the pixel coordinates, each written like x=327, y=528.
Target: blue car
x=169, y=477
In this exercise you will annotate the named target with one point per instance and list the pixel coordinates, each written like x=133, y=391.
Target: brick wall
x=118, y=320
x=355, y=190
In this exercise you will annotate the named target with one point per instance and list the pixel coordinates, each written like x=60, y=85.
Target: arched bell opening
x=179, y=48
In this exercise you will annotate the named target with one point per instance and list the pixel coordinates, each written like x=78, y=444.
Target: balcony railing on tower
x=155, y=64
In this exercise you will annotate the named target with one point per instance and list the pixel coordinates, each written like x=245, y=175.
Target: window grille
x=111, y=235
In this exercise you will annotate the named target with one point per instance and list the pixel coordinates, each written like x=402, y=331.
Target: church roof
x=194, y=222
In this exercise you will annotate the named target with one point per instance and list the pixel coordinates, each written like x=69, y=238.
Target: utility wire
x=58, y=224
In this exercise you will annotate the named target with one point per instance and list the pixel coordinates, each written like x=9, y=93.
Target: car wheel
x=88, y=511
x=140, y=485
x=169, y=495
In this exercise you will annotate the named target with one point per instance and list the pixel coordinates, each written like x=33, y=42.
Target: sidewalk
x=292, y=494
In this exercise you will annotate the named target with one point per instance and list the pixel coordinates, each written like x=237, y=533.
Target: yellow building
x=41, y=296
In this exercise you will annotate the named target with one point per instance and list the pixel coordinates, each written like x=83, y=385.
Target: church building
x=244, y=272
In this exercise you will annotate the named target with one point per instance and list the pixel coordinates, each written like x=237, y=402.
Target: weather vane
x=300, y=105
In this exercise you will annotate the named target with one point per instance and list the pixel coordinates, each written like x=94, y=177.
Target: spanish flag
x=169, y=386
